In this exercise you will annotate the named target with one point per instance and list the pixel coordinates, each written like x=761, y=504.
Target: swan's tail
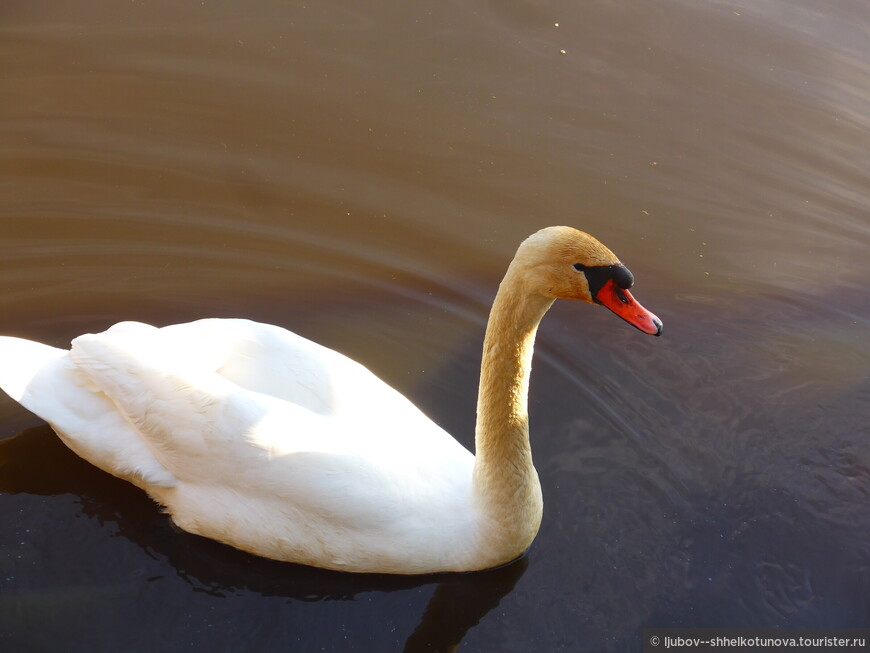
x=22, y=364
x=46, y=381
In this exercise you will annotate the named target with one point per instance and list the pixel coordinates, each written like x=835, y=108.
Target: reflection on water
x=362, y=175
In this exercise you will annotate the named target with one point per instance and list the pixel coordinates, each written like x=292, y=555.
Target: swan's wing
x=190, y=414
x=193, y=420
x=269, y=360
x=276, y=362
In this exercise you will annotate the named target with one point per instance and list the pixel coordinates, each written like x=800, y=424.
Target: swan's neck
x=505, y=482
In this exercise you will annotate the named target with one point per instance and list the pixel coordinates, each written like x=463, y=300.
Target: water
x=362, y=174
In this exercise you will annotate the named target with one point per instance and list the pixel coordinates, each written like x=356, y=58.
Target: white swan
x=259, y=438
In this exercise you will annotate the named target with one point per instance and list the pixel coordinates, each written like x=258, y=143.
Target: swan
x=256, y=437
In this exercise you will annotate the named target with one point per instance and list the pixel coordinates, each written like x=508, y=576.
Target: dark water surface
x=361, y=173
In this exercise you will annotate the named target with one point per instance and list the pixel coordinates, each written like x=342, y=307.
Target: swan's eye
x=620, y=295
x=579, y=267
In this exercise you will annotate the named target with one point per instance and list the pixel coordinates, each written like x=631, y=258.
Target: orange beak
x=625, y=306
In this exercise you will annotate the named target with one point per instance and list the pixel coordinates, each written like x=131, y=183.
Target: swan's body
x=259, y=438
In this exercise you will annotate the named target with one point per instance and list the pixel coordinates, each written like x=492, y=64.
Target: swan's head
x=564, y=263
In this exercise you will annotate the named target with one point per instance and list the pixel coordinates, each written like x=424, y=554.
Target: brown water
x=361, y=173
